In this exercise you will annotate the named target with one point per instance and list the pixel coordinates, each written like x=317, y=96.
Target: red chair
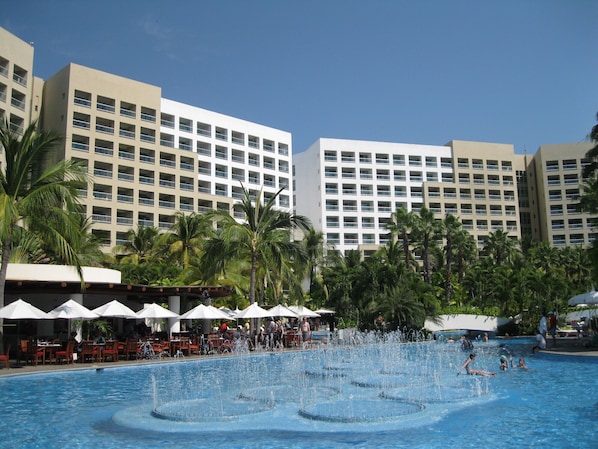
x=194, y=345
x=133, y=349
x=67, y=354
x=5, y=357
x=34, y=353
x=89, y=350
x=110, y=351
x=184, y=347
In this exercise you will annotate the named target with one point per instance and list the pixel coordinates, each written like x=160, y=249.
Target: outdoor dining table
x=49, y=350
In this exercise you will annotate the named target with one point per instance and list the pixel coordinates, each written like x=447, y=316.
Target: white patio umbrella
x=22, y=310
x=203, y=312
x=156, y=312
x=588, y=298
x=115, y=309
x=304, y=311
x=253, y=311
x=231, y=313
x=72, y=310
x=325, y=312
x=282, y=310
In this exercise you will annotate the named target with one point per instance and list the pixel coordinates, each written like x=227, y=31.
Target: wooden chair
x=67, y=354
x=184, y=348
x=132, y=349
x=122, y=350
x=23, y=352
x=110, y=351
x=194, y=345
x=34, y=353
x=89, y=351
x=6, y=357
x=165, y=348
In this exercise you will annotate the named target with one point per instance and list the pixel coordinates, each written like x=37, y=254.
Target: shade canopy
x=22, y=310
x=282, y=310
x=587, y=298
x=115, y=309
x=325, y=312
x=231, y=313
x=156, y=311
x=303, y=311
x=253, y=311
x=72, y=310
x=203, y=312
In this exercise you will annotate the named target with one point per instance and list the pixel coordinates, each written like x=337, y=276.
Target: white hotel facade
x=349, y=188
x=149, y=157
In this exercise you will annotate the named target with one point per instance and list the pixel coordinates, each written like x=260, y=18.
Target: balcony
x=104, y=196
x=128, y=199
x=99, y=218
x=102, y=173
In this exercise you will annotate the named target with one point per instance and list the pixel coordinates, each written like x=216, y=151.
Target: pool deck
x=564, y=347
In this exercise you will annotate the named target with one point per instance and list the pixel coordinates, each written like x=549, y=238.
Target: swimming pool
x=385, y=396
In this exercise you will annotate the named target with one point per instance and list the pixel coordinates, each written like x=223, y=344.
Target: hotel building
x=149, y=157
x=556, y=182
x=349, y=188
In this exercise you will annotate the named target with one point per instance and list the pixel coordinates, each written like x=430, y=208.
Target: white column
x=174, y=304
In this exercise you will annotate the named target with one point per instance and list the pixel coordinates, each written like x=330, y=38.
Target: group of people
x=504, y=365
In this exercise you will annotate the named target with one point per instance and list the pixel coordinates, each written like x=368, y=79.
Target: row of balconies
x=566, y=165
x=384, y=159
x=106, y=148
x=129, y=110
x=574, y=239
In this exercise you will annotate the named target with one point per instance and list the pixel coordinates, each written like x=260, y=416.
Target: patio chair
x=6, y=356
x=194, y=345
x=34, y=353
x=133, y=349
x=184, y=348
x=110, y=351
x=67, y=354
x=23, y=351
x=89, y=351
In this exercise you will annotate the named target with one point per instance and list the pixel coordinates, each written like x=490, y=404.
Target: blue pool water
x=385, y=395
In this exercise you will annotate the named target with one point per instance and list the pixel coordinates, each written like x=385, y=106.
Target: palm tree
x=427, y=231
x=500, y=247
x=36, y=196
x=401, y=225
x=184, y=240
x=452, y=228
x=264, y=238
x=140, y=245
x=314, y=246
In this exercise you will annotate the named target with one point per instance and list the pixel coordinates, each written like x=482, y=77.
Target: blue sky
x=523, y=72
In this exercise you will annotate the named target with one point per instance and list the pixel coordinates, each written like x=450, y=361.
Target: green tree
x=500, y=247
x=427, y=232
x=184, y=241
x=589, y=198
x=452, y=229
x=314, y=247
x=401, y=226
x=36, y=196
x=264, y=238
x=139, y=247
